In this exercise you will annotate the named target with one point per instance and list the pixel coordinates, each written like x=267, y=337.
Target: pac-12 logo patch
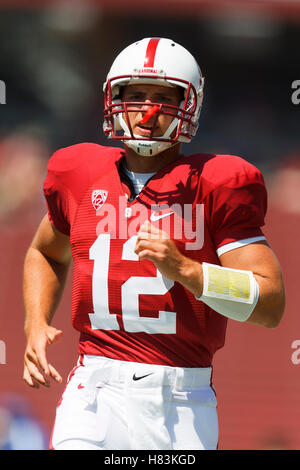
x=99, y=197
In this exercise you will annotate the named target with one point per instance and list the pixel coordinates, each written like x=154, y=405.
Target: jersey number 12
x=102, y=319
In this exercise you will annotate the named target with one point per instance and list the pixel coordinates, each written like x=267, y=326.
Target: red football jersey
x=123, y=307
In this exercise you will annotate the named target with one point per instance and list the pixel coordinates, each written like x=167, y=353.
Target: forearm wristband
x=231, y=292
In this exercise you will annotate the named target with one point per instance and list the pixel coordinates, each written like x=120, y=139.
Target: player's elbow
x=273, y=301
x=269, y=310
x=274, y=317
x=273, y=320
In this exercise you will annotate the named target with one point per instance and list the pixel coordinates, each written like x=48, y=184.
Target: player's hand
x=157, y=246
x=37, y=369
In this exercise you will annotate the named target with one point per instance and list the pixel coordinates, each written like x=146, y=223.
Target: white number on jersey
x=102, y=319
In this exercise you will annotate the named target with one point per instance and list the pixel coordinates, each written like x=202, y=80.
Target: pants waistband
x=120, y=371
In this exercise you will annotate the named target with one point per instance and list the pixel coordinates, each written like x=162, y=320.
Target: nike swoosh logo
x=155, y=217
x=141, y=377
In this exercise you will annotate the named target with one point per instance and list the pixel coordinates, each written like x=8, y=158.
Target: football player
x=166, y=249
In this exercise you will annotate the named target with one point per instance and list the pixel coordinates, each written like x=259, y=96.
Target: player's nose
x=146, y=105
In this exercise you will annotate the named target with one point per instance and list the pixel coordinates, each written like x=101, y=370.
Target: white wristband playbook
x=231, y=292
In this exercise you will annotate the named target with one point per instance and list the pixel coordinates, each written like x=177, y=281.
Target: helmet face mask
x=185, y=114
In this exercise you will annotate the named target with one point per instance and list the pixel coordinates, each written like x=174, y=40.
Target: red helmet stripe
x=150, y=52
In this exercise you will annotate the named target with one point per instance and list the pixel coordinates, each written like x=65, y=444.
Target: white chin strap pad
x=147, y=148
x=231, y=292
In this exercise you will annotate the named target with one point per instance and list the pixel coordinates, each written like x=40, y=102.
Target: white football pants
x=115, y=405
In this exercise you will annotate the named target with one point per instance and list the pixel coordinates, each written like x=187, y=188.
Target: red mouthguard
x=150, y=111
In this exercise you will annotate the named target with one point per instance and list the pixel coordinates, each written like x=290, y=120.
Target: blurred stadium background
x=54, y=56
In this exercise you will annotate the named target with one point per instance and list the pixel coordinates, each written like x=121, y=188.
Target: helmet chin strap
x=148, y=149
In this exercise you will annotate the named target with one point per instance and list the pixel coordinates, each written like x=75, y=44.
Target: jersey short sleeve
x=70, y=172
x=238, y=205
x=56, y=194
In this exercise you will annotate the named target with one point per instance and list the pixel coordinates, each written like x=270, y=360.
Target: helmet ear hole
x=116, y=93
x=116, y=117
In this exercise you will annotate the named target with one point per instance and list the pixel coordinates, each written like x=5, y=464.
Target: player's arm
x=259, y=259
x=260, y=277
x=45, y=271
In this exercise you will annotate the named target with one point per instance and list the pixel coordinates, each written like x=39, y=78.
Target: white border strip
x=238, y=244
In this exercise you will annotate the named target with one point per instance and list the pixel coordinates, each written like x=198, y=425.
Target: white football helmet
x=155, y=61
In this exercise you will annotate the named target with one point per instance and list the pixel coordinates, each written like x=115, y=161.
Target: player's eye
x=166, y=100
x=134, y=97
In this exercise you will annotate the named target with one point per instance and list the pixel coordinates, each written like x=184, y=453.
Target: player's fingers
x=54, y=374
x=145, y=235
x=154, y=232
x=28, y=379
x=150, y=227
x=41, y=358
x=53, y=335
x=153, y=245
x=38, y=359
x=36, y=352
x=142, y=244
x=35, y=374
x=150, y=255
x=146, y=225
x=30, y=355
